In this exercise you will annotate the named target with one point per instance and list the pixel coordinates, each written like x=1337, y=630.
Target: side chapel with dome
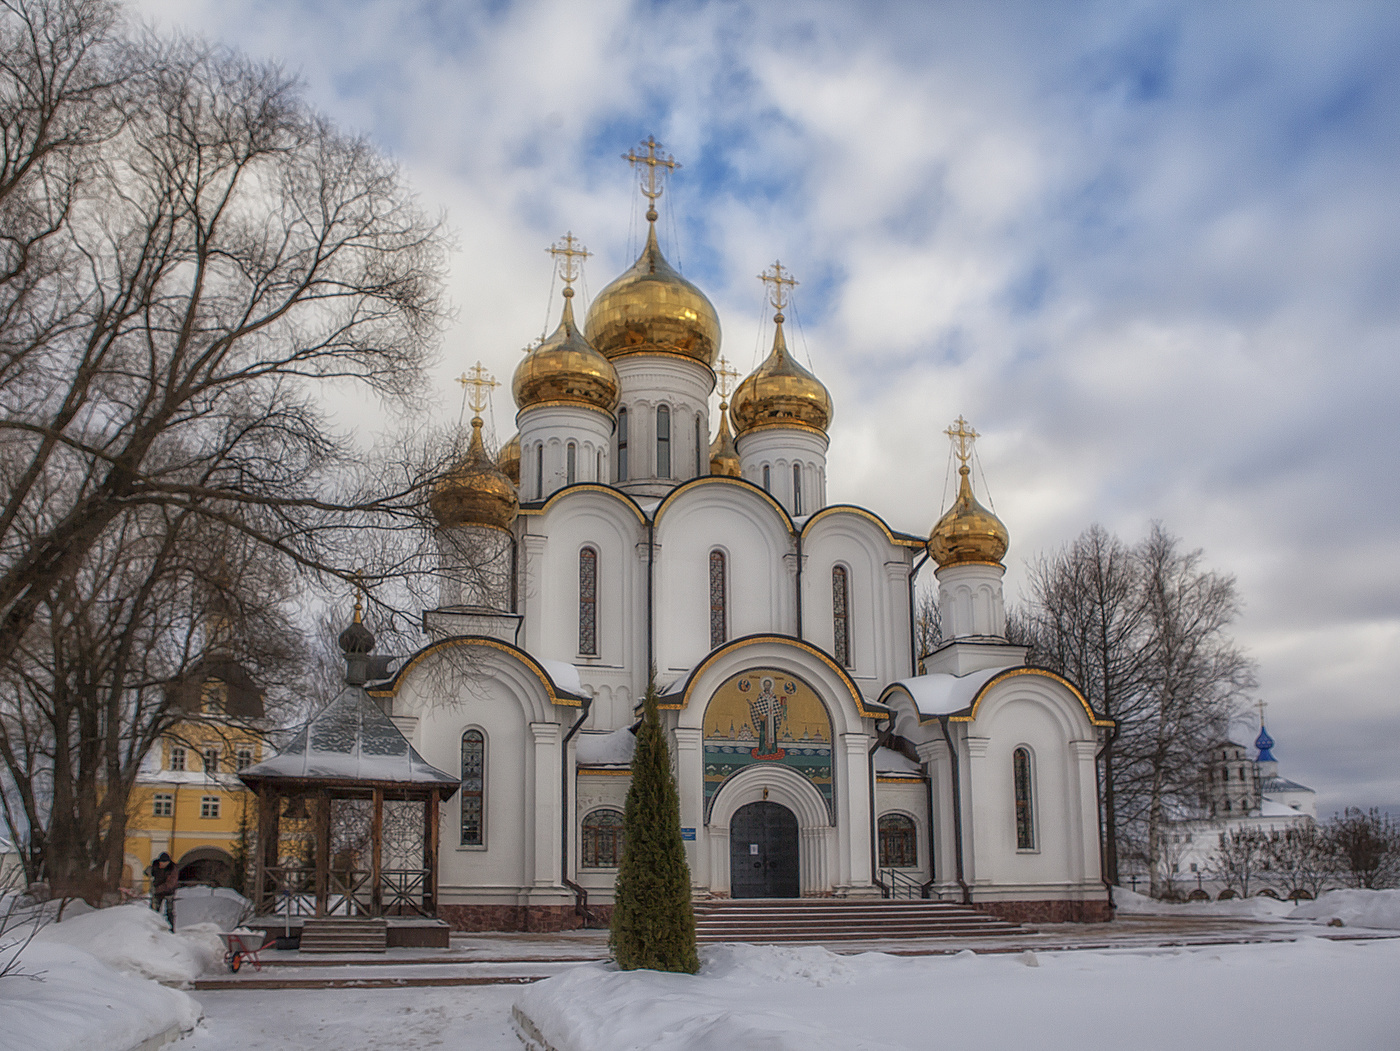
x=629, y=526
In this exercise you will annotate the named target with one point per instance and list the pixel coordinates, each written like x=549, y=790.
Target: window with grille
x=840, y=615
x=571, y=464
x=899, y=844
x=622, y=445
x=701, y=447
x=208, y=806
x=602, y=839
x=1025, y=813
x=473, y=792
x=211, y=760
x=588, y=602
x=717, y=600
x=663, y=442
x=245, y=758
x=177, y=757
x=539, y=471
x=163, y=805
x=796, y=489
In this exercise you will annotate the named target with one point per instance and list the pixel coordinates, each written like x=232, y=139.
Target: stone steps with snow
x=344, y=934
x=822, y=920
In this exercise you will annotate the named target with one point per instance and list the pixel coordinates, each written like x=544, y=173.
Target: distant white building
x=1239, y=793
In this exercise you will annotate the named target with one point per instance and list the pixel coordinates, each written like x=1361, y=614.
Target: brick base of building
x=535, y=919
x=1048, y=911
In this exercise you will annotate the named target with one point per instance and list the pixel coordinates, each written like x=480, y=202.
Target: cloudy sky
x=1150, y=250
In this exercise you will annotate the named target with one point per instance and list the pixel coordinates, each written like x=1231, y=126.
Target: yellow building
x=187, y=800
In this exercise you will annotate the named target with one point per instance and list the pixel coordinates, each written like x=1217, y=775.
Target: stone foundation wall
x=1048, y=911
x=539, y=919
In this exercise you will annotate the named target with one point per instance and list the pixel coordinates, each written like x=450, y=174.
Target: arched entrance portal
x=763, y=852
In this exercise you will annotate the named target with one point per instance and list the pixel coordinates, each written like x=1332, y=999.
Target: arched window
x=622, y=445
x=717, y=599
x=473, y=792
x=840, y=615
x=796, y=489
x=663, y=442
x=598, y=474
x=602, y=840
x=588, y=602
x=767, y=480
x=571, y=464
x=1025, y=803
x=701, y=446
x=539, y=471
x=899, y=844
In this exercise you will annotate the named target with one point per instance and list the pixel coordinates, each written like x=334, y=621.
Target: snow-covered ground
x=1378, y=909
x=1299, y=996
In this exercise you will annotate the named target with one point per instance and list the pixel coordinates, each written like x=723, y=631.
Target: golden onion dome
x=651, y=308
x=968, y=532
x=780, y=393
x=475, y=492
x=508, y=459
x=724, y=458
x=566, y=368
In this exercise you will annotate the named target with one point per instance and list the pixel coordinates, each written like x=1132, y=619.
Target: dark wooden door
x=763, y=852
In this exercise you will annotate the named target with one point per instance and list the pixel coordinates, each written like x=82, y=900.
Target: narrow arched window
x=717, y=599
x=796, y=489
x=663, y=442
x=598, y=474
x=1025, y=803
x=539, y=471
x=473, y=791
x=622, y=445
x=841, y=616
x=767, y=480
x=701, y=446
x=899, y=843
x=571, y=464
x=588, y=602
x=602, y=840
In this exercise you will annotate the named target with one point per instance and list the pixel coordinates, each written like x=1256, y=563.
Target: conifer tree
x=653, y=925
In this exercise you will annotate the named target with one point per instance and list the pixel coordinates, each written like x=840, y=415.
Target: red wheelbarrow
x=246, y=945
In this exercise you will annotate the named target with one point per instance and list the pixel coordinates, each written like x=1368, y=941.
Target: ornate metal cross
x=962, y=436
x=780, y=285
x=651, y=181
x=569, y=254
x=478, y=384
x=726, y=374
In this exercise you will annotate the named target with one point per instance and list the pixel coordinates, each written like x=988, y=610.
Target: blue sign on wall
x=688, y=834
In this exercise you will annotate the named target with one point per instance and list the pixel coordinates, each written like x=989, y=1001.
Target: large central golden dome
x=780, y=393
x=565, y=368
x=651, y=308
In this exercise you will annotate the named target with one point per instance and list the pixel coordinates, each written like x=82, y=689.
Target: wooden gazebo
x=348, y=811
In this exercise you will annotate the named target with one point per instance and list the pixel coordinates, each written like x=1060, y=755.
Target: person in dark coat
x=164, y=879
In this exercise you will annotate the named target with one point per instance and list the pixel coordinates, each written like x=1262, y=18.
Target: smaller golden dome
x=508, y=459
x=566, y=368
x=724, y=458
x=475, y=492
x=652, y=308
x=780, y=393
x=968, y=532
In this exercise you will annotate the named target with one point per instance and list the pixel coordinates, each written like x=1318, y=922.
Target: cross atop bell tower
x=478, y=384
x=651, y=178
x=569, y=254
x=962, y=436
x=725, y=375
x=780, y=281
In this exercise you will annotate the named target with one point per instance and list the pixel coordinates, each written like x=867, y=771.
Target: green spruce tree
x=653, y=925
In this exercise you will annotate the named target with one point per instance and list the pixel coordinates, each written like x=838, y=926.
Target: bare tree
x=1240, y=857
x=928, y=624
x=1365, y=846
x=1300, y=859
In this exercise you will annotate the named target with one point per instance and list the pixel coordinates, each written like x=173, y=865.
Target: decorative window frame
x=848, y=660
x=724, y=625
x=914, y=824
x=163, y=804
x=582, y=834
x=462, y=792
x=596, y=651
x=209, y=808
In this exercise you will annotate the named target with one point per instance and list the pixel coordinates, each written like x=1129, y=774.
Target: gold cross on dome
x=651, y=182
x=569, y=254
x=726, y=374
x=778, y=294
x=478, y=383
x=962, y=436
x=1261, y=705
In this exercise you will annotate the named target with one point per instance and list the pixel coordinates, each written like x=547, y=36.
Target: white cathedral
x=814, y=758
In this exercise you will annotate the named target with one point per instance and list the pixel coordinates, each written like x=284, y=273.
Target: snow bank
x=133, y=939
x=1133, y=904
x=1355, y=908
x=79, y=1003
x=1314, y=993
x=221, y=906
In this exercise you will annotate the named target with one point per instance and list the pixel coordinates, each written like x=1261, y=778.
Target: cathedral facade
x=630, y=531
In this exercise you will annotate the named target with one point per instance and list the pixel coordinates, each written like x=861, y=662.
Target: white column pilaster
x=546, y=804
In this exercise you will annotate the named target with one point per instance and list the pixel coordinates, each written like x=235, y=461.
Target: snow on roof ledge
x=888, y=761
x=565, y=676
x=609, y=749
x=944, y=694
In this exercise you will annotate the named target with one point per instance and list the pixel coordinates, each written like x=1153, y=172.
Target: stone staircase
x=832, y=919
x=344, y=934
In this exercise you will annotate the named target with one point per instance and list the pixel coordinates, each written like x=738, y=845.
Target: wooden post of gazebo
x=431, y=839
x=323, y=851
x=268, y=832
x=376, y=866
